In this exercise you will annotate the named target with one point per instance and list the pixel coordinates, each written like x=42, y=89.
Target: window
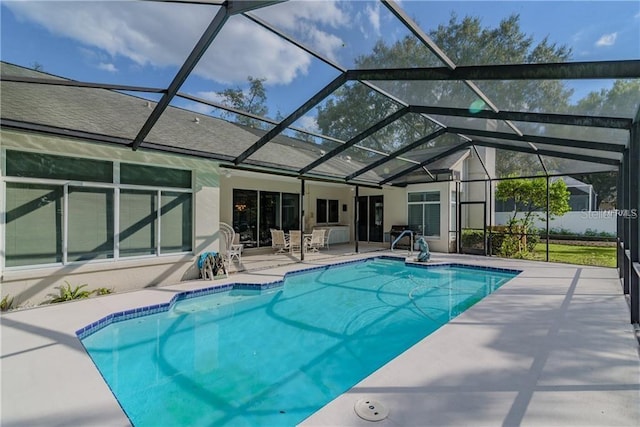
x=270, y=213
x=175, y=221
x=327, y=211
x=36, y=165
x=138, y=222
x=255, y=213
x=245, y=216
x=453, y=223
x=424, y=212
x=154, y=176
x=290, y=212
x=62, y=209
x=90, y=224
x=33, y=232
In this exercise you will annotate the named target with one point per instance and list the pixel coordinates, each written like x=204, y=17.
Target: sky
x=145, y=43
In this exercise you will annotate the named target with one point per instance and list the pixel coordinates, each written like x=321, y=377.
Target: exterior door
x=370, y=218
x=376, y=211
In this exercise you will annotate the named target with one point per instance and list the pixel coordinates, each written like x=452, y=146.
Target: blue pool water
x=273, y=357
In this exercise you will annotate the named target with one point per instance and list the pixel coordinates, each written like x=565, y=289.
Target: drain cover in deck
x=371, y=410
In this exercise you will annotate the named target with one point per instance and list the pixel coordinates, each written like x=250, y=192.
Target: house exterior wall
x=441, y=243
x=212, y=203
x=395, y=209
x=31, y=286
x=313, y=190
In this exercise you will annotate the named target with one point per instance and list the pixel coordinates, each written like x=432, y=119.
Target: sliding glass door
x=255, y=213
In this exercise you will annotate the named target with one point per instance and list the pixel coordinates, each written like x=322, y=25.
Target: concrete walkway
x=553, y=347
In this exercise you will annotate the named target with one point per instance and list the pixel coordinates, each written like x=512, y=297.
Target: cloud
x=210, y=96
x=289, y=14
x=308, y=123
x=161, y=35
x=577, y=37
x=242, y=49
x=607, y=40
x=373, y=13
x=311, y=22
x=108, y=67
x=196, y=107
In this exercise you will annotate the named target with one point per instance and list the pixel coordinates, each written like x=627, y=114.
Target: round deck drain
x=371, y=410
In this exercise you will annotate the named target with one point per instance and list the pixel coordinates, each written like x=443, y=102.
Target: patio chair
x=235, y=251
x=327, y=231
x=230, y=247
x=317, y=240
x=295, y=240
x=279, y=241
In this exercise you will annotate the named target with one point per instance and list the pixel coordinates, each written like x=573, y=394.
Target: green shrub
x=472, y=238
x=6, y=303
x=496, y=243
x=102, y=291
x=590, y=233
x=510, y=245
x=68, y=294
x=532, y=240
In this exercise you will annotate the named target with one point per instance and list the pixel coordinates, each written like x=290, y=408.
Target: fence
x=575, y=222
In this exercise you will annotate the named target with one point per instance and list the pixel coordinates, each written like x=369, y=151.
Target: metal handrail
x=410, y=232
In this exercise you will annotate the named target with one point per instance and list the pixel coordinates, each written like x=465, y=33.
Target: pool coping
x=39, y=344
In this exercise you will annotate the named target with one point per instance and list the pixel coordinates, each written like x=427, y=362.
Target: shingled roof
x=105, y=114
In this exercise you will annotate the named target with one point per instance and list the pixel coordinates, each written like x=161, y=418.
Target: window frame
x=116, y=187
x=280, y=217
x=426, y=200
x=330, y=210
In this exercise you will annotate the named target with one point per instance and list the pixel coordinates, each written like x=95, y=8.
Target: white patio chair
x=325, y=244
x=295, y=240
x=230, y=246
x=235, y=251
x=317, y=240
x=279, y=241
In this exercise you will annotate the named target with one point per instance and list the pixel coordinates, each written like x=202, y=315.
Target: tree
x=604, y=185
x=355, y=107
x=530, y=197
x=251, y=101
x=622, y=100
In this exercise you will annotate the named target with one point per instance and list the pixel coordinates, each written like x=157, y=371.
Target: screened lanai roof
x=357, y=92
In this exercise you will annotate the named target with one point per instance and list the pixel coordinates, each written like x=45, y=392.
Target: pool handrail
x=410, y=232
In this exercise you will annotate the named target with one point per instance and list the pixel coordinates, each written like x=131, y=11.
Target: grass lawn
x=603, y=256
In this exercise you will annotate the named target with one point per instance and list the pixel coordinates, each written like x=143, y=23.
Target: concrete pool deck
x=553, y=347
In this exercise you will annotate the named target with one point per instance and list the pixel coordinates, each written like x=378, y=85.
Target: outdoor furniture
x=316, y=241
x=235, y=251
x=279, y=241
x=295, y=240
x=230, y=248
x=325, y=244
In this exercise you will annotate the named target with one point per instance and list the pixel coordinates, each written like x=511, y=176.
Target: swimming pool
x=275, y=354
